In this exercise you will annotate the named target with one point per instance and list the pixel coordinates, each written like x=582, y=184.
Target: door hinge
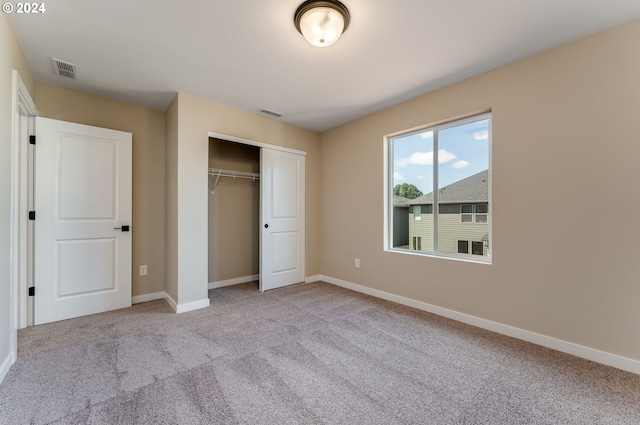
x=32, y=215
x=32, y=291
x=32, y=140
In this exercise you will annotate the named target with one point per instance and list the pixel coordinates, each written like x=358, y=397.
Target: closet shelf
x=218, y=172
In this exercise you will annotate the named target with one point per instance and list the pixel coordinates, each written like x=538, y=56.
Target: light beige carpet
x=306, y=354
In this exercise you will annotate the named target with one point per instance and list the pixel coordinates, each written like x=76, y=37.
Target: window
x=466, y=213
x=473, y=213
x=463, y=247
x=481, y=213
x=447, y=166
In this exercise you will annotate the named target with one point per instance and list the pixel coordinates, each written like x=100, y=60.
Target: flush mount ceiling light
x=321, y=22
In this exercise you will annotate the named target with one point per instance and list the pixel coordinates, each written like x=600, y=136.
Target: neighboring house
x=463, y=218
x=401, y=221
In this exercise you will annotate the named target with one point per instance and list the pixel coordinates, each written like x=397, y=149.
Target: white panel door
x=82, y=199
x=282, y=200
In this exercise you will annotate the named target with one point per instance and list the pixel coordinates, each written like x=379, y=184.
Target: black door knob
x=266, y=226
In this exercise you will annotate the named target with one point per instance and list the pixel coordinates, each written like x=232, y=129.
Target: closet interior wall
x=234, y=213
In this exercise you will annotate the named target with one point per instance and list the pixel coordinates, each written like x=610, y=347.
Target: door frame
x=250, y=142
x=254, y=143
x=23, y=106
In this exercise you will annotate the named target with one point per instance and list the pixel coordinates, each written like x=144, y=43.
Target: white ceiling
x=248, y=54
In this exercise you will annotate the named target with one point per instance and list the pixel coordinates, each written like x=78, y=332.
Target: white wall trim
x=6, y=365
x=624, y=363
x=254, y=143
x=311, y=279
x=194, y=305
x=148, y=297
x=234, y=281
x=22, y=105
x=171, y=302
x=178, y=308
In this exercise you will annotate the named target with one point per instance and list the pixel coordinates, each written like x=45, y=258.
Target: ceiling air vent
x=272, y=113
x=64, y=69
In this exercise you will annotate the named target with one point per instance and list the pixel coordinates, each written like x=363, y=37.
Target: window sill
x=469, y=258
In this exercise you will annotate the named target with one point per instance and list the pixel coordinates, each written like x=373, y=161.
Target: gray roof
x=401, y=201
x=472, y=189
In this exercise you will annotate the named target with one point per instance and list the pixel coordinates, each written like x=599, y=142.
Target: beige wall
x=148, y=129
x=11, y=57
x=565, y=197
x=234, y=213
x=195, y=119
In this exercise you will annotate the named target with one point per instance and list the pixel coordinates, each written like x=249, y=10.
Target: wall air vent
x=64, y=69
x=272, y=113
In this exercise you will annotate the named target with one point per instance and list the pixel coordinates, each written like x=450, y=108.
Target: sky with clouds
x=462, y=152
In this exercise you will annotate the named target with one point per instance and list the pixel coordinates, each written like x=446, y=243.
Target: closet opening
x=234, y=213
x=256, y=216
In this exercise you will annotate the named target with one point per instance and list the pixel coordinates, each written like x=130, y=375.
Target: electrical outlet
x=357, y=263
x=143, y=270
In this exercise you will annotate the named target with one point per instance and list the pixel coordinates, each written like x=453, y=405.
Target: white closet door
x=82, y=258
x=282, y=200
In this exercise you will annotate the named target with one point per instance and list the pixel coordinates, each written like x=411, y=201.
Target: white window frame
x=462, y=213
x=476, y=214
x=467, y=242
x=475, y=243
x=388, y=190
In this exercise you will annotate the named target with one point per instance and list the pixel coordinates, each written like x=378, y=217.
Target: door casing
x=24, y=110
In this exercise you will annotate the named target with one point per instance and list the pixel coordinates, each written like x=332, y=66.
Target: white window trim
x=467, y=213
x=388, y=189
x=476, y=242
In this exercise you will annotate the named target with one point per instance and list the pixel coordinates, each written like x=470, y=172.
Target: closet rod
x=218, y=172
x=234, y=174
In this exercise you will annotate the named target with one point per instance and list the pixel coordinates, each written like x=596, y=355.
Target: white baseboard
x=253, y=278
x=624, y=363
x=171, y=302
x=178, y=308
x=234, y=281
x=6, y=365
x=194, y=305
x=148, y=297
